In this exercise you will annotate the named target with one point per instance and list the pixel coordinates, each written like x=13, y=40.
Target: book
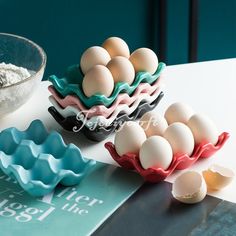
x=71, y=211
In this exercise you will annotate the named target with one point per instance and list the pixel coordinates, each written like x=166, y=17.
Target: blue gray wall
x=65, y=28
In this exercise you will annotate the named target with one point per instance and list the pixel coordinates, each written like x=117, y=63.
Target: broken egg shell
x=189, y=187
x=218, y=177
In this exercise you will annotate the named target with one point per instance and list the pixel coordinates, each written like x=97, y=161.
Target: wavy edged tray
x=100, y=133
x=101, y=120
x=131, y=161
x=39, y=160
x=72, y=84
x=123, y=98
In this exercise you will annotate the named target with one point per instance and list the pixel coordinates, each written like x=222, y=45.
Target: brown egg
x=116, y=47
x=122, y=69
x=98, y=80
x=144, y=59
x=94, y=56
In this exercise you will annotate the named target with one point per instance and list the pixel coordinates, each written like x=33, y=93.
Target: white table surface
x=208, y=87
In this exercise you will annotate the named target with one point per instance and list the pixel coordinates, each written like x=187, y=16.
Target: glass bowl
x=21, y=52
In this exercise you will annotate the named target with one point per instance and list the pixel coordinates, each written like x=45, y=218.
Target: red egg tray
x=131, y=161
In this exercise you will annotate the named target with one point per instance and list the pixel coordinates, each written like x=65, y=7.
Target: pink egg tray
x=131, y=161
x=101, y=110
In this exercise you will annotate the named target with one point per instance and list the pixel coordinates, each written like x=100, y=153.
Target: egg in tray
x=109, y=87
x=158, y=145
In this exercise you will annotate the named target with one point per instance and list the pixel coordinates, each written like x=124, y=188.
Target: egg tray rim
x=101, y=133
x=64, y=88
x=100, y=108
x=90, y=122
x=131, y=161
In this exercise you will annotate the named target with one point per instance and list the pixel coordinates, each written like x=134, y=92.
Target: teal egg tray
x=39, y=160
x=71, y=83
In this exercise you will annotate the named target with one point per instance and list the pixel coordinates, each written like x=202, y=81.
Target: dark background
x=179, y=31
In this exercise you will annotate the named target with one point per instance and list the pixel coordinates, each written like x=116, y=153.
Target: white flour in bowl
x=11, y=74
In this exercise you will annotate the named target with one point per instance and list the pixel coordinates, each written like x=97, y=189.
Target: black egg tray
x=100, y=133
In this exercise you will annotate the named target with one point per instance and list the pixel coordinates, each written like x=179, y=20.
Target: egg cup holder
x=39, y=160
x=131, y=161
x=72, y=84
x=101, y=110
x=100, y=133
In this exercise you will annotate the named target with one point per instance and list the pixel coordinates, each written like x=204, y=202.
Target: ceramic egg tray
x=100, y=133
x=131, y=161
x=39, y=160
x=101, y=110
x=101, y=120
x=72, y=84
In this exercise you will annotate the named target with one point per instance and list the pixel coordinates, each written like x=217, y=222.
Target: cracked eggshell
x=94, y=56
x=218, y=177
x=180, y=138
x=153, y=124
x=189, y=187
x=203, y=129
x=178, y=112
x=129, y=138
x=156, y=152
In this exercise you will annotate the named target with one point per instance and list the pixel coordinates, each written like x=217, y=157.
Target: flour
x=11, y=74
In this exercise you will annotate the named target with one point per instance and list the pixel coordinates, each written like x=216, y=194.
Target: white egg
x=94, y=56
x=156, y=152
x=203, y=129
x=129, y=138
x=153, y=124
x=189, y=187
x=178, y=112
x=180, y=138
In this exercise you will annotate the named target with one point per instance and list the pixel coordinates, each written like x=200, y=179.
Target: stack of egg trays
x=98, y=116
x=39, y=160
